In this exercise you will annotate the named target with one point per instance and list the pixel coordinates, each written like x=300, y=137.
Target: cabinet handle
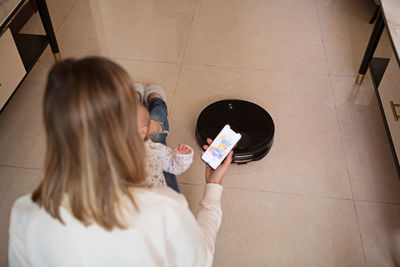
x=394, y=106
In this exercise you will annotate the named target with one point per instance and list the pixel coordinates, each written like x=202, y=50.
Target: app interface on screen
x=221, y=146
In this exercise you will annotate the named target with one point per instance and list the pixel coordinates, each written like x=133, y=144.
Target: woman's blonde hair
x=94, y=153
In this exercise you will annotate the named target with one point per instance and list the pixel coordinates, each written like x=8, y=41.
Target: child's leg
x=159, y=113
x=171, y=181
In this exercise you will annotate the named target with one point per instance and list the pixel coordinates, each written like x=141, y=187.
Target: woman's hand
x=216, y=176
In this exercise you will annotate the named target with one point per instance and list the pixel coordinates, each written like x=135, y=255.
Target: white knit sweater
x=164, y=233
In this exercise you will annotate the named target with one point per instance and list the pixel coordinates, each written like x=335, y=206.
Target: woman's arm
x=193, y=241
x=197, y=239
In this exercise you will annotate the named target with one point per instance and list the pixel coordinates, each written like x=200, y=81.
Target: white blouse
x=164, y=233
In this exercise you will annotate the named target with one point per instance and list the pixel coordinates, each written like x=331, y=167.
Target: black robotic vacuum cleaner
x=250, y=120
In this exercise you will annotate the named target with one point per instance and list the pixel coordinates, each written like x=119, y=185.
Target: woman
x=91, y=209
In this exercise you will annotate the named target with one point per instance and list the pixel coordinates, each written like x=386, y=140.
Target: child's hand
x=182, y=149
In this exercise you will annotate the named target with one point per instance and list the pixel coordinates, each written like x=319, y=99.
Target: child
x=159, y=158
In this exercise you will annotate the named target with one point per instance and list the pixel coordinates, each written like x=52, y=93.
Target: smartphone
x=225, y=141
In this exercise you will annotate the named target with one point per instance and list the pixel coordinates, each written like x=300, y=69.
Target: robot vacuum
x=250, y=120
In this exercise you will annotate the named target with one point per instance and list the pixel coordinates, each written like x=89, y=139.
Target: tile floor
x=326, y=195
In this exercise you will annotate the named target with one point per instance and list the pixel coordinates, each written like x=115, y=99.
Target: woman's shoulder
x=24, y=206
x=23, y=212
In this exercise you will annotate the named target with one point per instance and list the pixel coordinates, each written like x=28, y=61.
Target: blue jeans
x=159, y=112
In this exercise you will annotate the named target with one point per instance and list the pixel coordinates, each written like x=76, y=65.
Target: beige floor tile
x=348, y=3
x=380, y=231
x=307, y=155
x=146, y=30
x=370, y=162
x=276, y=35
x=14, y=182
x=268, y=229
x=153, y=30
x=164, y=74
x=22, y=139
x=58, y=9
x=346, y=31
x=95, y=27
x=42, y=67
x=81, y=34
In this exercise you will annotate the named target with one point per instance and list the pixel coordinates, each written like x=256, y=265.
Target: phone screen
x=221, y=146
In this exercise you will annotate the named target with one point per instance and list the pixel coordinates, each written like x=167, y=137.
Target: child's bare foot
x=154, y=127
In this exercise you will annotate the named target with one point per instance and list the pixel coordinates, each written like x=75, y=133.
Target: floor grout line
x=66, y=16
x=230, y=67
x=227, y=67
x=233, y=67
x=377, y=202
x=300, y=194
x=183, y=55
x=291, y=194
x=341, y=135
x=20, y=167
x=189, y=32
x=360, y=234
x=275, y=192
x=146, y=60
